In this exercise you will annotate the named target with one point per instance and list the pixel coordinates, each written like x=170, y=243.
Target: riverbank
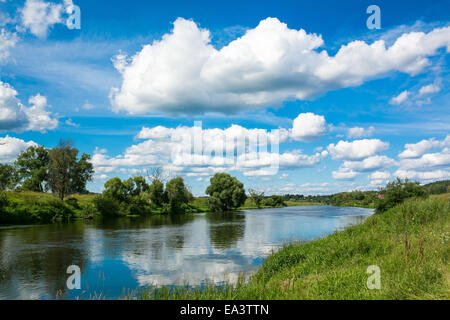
x=410, y=243
x=39, y=208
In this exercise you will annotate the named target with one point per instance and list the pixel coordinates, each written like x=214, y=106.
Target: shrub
x=138, y=206
x=107, y=206
x=89, y=210
x=274, y=201
x=397, y=191
x=124, y=197
x=72, y=202
x=35, y=212
x=4, y=202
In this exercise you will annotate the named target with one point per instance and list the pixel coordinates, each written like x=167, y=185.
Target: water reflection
x=225, y=229
x=33, y=261
x=115, y=254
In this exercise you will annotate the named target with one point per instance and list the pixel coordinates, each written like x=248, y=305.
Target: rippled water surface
x=135, y=252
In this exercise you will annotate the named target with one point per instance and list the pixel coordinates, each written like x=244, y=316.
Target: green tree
x=225, y=193
x=156, y=192
x=107, y=206
x=66, y=174
x=274, y=201
x=115, y=189
x=82, y=174
x=397, y=191
x=140, y=185
x=124, y=197
x=178, y=195
x=8, y=177
x=4, y=202
x=32, y=167
x=256, y=197
x=438, y=187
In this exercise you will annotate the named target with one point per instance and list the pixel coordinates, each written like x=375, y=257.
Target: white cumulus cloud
x=415, y=150
x=431, y=88
x=357, y=149
x=401, y=98
x=344, y=174
x=197, y=152
x=359, y=132
x=7, y=41
x=10, y=148
x=415, y=163
x=184, y=73
x=370, y=163
x=351, y=169
x=38, y=16
x=308, y=126
x=14, y=116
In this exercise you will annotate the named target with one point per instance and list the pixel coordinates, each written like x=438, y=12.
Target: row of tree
x=39, y=169
x=259, y=199
x=135, y=196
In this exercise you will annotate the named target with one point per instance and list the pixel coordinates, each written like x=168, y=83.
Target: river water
x=161, y=250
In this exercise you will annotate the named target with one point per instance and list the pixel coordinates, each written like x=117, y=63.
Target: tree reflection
x=226, y=229
x=143, y=222
x=38, y=268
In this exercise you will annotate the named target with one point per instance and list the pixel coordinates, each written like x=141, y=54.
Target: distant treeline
x=438, y=187
x=348, y=199
x=367, y=199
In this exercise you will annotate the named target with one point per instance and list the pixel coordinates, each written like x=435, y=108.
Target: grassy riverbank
x=29, y=207
x=410, y=243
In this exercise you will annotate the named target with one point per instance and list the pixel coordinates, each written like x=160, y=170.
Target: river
x=161, y=250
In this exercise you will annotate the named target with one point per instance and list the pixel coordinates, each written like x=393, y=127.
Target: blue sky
x=356, y=106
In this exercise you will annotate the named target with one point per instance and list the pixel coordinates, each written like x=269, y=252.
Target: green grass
x=410, y=243
x=28, y=207
x=29, y=197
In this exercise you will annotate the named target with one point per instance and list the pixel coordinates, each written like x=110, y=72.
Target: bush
x=34, y=212
x=274, y=201
x=107, y=206
x=59, y=208
x=127, y=197
x=397, y=191
x=72, y=202
x=4, y=202
x=8, y=177
x=89, y=210
x=138, y=206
